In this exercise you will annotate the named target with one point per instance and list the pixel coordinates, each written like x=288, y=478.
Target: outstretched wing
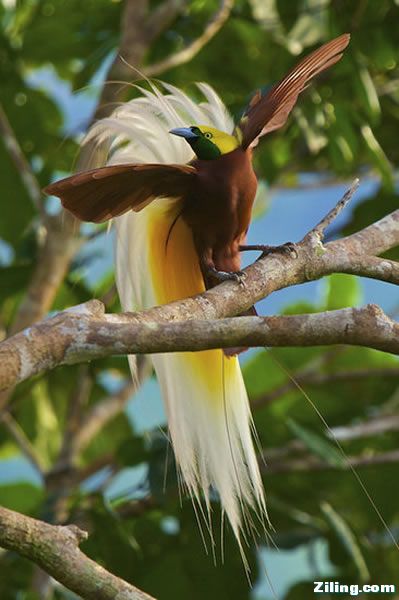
x=101, y=194
x=270, y=112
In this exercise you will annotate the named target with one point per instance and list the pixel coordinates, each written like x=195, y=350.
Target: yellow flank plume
x=204, y=394
x=176, y=274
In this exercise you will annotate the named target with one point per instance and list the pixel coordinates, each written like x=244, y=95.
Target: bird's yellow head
x=208, y=143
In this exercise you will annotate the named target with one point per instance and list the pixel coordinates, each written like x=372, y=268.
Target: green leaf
x=13, y=280
x=110, y=436
x=342, y=291
x=378, y=155
x=261, y=374
x=112, y=540
x=8, y=450
x=367, y=93
x=162, y=469
x=317, y=444
x=131, y=451
x=288, y=12
x=21, y=497
x=347, y=539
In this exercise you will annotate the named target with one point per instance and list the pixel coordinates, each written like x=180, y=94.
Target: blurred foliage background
x=74, y=446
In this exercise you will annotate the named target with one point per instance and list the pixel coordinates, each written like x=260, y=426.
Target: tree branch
x=374, y=426
x=374, y=239
x=314, y=377
x=56, y=550
x=317, y=233
x=102, y=412
x=76, y=403
x=139, y=28
x=372, y=267
x=312, y=463
x=162, y=16
x=24, y=169
x=183, y=56
x=23, y=442
x=86, y=334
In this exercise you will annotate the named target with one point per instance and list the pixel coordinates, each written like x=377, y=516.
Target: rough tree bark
x=56, y=549
x=85, y=332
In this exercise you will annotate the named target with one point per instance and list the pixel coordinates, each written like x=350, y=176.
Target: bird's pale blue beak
x=184, y=132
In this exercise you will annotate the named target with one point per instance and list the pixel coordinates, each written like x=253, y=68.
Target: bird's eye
x=208, y=135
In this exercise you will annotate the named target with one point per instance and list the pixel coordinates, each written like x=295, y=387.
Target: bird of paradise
x=181, y=212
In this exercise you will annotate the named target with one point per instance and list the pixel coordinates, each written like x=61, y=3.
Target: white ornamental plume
x=210, y=428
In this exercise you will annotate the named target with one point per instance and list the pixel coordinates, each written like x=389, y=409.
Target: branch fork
x=85, y=332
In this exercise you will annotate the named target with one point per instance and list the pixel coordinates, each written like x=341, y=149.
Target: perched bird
x=181, y=214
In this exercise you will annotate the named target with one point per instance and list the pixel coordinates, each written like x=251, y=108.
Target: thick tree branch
x=185, y=55
x=374, y=239
x=372, y=267
x=56, y=550
x=85, y=334
x=275, y=272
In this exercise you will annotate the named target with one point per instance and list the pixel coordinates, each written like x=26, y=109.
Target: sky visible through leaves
x=345, y=127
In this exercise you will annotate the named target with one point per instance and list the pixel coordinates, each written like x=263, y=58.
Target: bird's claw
x=238, y=276
x=289, y=248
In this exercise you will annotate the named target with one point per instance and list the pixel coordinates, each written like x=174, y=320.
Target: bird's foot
x=289, y=249
x=231, y=352
x=238, y=276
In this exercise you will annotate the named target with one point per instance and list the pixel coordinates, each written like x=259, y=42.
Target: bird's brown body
x=218, y=211
x=218, y=191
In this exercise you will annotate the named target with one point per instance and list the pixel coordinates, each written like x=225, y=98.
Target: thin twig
x=22, y=441
x=371, y=427
x=24, y=169
x=101, y=413
x=313, y=463
x=315, y=377
x=183, y=56
x=318, y=231
x=375, y=426
x=74, y=418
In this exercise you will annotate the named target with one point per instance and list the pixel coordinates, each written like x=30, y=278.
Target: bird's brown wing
x=101, y=194
x=269, y=112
